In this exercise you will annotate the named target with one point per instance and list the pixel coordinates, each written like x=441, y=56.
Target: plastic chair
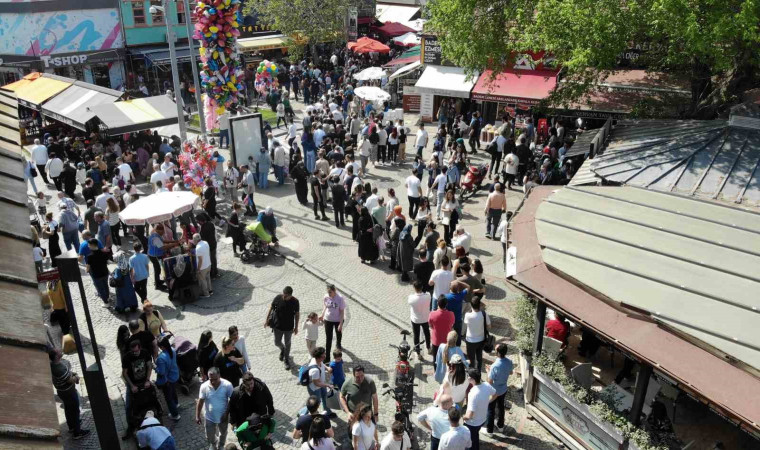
x=583, y=374
x=552, y=347
x=672, y=393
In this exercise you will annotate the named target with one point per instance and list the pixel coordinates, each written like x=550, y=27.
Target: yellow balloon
x=215, y=54
x=228, y=34
x=201, y=5
x=202, y=50
x=213, y=29
x=226, y=2
x=274, y=67
x=207, y=34
x=220, y=110
x=234, y=24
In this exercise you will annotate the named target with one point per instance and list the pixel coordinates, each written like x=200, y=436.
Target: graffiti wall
x=49, y=33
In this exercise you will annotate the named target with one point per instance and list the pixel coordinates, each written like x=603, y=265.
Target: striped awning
x=73, y=106
x=263, y=43
x=34, y=94
x=135, y=115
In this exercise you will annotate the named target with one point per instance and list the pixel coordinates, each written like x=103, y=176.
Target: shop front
x=512, y=93
x=439, y=84
x=104, y=68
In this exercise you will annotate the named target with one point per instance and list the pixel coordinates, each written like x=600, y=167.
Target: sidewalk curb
x=370, y=306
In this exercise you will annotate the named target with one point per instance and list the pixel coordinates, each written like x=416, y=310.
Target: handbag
x=34, y=172
x=115, y=282
x=490, y=341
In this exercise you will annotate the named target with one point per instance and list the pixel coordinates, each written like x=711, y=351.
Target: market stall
x=73, y=105
x=404, y=80
x=443, y=83
x=135, y=115
x=514, y=92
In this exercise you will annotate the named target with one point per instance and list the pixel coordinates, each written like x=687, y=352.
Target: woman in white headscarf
x=121, y=280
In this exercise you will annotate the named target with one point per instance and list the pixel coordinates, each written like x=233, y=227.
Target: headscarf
x=397, y=211
x=406, y=233
x=122, y=262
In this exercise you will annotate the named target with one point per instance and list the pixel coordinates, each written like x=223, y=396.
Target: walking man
x=481, y=394
x=214, y=397
x=139, y=270
x=283, y=317
x=65, y=382
x=203, y=256
x=40, y=158
x=498, y=375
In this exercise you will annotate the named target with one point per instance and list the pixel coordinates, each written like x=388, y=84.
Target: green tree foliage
x=714, y=44
x=308, y=22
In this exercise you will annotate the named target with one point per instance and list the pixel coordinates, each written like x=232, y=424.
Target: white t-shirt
x=326, y=444
x=40, y=154
x=292, y=130
x=312, y=330
x=168, y=168
x=125, y=170
x=202, y=250
x=389, y=443
x=371, y=202
x=475, y=330
x=102, y=200
x=458, y=438
x=511, y=162
x=422, y=137
x=366, y=434
x=157, y=176
x=37, y=253
x=413, y=186
x=419, y=307
x=441, y=180
x=477, y=401
x=442, y=279
x=316, y=373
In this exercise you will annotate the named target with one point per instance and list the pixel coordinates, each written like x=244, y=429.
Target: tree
x=712, y=43
x=307, y=22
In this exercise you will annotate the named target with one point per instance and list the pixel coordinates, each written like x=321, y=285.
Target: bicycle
x=403, y=392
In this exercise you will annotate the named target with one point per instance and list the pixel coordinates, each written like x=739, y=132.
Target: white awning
x=407, y=68
x=446, y=81
x=395, y=13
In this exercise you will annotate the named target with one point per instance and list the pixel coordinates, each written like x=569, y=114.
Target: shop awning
x=409, y=39
x=446, y=81
x=396, y=13
x=402, y=61
x=34, y=94
x=404, y=70
x=135, y=115
x=393, y=29
x=263, y=43
x=367, y=45
x=73, y=105
x=365, y=20
x=516, y=86
x=16, y=85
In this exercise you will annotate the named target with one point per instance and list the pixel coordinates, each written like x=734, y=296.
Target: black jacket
x=242, y=405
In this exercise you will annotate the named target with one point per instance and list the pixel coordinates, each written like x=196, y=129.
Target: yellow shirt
x=56, y=296
x=154, y=323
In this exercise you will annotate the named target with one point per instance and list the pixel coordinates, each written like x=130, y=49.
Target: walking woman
x=300, y=177
x=405, y=257
x=450, y=215
x=235, y=228
x=207, y=351
x=424, y=216
x=167, y=375
x=445, y=354
x=50, y=232
x=333, y=314
x=126, y=298
x=477, y=322
x=209, y=199
x=112, y=215
x=364, y=431
x=367, y=247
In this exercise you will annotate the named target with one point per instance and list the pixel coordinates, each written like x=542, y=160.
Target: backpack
x=303, y=374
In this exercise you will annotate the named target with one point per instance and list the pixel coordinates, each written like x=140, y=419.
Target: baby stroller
x=146, y=399
x=187, y=360
x=259, y=239
x=181, y=279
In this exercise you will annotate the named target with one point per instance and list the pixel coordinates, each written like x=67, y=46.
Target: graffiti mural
x=57, y=32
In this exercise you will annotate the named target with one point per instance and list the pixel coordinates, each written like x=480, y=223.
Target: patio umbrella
x=371, y=93
x=158, y=207
x=407, y=39
x=370, y=73
x=367, y=45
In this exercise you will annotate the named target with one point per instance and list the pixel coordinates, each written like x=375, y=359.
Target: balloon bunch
x=197, y=163
x=221, y=72
x=266, y=76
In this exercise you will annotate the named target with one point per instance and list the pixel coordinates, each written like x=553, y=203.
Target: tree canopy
x=306, y=21
x=714, y=44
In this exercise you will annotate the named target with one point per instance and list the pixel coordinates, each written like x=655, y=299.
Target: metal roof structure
x=638, y=268
x=713, y=160
x=692, y=265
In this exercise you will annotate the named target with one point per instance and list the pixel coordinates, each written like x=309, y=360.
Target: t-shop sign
x=60, y=61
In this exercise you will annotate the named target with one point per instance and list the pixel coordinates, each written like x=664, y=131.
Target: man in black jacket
x=339, y=201
x=208, y=234
x=524, y=155
x=252, y=396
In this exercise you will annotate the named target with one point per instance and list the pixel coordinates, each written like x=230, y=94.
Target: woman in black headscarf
x=367, y=247
x=299, y=176
x=405, y=256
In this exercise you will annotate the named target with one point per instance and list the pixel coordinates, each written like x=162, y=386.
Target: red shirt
x=557, y=330
x=441, y=322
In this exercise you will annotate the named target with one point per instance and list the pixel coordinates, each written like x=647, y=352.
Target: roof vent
x=745, y=116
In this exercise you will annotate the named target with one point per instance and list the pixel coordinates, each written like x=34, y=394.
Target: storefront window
x=138, y=12
x=158, y=17
x=181, y=14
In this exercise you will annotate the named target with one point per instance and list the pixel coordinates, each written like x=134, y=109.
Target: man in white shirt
x=318, y=377
x=413, y=193
x=158, y=175
x=436, y=419
x=168, y=166
x=372, y=200
x=54, y=168
x=224, y=130
x=421, y=141
x=125, y=170
x=397, y=439
x=462, y=238
x=203, y=256
x=419, y=311
x=481, y=394
x=248, y=185
x=458, y=437
x=215, y=395
x=40, y=159
x=153, y=435
x=441, y=279
x=292, y=131
x=101, y=201
x=511, y=161
x=279, y=162
x=440, y=185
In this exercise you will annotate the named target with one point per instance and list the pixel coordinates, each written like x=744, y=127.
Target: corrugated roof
x=699, y=372
x=691, y=264
x=28, y=418
x=705, y=159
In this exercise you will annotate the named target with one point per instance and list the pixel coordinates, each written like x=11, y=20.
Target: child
x=336, y=366
x=41, y=204
x=39, y=254
x=311, y=325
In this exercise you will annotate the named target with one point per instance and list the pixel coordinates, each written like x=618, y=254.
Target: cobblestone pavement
x=313, y=253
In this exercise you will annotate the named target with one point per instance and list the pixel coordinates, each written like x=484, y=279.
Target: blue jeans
x=170, y=394
x=321, y=393
x=474, y=436
x=168, y=444
x=263, y=177
x=311, y=161
x=492, y=223
x=70, y=401
x=434, y=442
x=224, y=136
x=101, y=285
x=71, y=238
x=279, y=172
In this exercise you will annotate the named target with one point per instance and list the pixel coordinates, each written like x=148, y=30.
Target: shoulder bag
x=490, y=341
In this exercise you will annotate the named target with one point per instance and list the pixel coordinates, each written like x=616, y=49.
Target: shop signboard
x=60, y=60
x=252, y=26
x=352, y=24
x=591, y=114
x=503, y=99
x=246, y=135
x=431, y=51
x=426, y=107
x=412, y=99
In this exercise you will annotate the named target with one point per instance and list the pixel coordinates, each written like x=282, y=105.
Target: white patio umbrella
x=372, y=93
x=370, y=73
x=158, y=207
x=407, y=39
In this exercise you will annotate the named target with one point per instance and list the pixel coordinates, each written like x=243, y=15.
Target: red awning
x=402, y=61
x=365, y=20
x=393, y=29
x=515, y=86
x=367, y=45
